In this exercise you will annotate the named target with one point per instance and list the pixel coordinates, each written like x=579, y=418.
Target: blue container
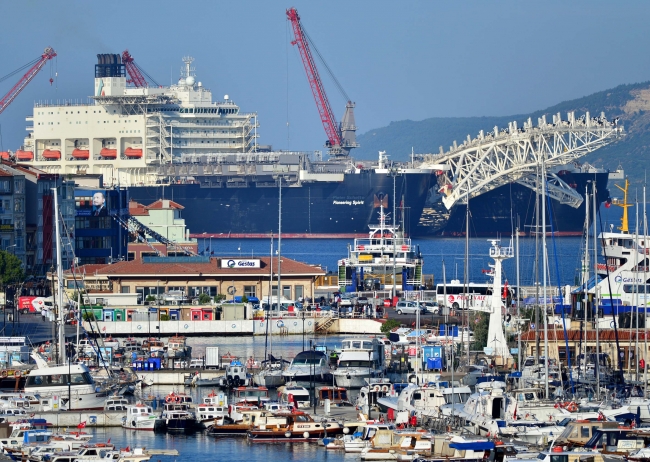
x=434, y=363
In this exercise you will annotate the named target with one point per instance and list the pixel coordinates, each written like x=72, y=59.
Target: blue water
x=564, y=253
x=200, y=447
x=327, y=252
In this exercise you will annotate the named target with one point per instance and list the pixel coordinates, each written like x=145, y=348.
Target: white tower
x=496, y=340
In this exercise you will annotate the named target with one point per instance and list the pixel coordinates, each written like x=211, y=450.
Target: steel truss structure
x=491, y=160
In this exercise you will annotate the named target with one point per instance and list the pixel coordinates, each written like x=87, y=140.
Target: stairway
x=322, y=326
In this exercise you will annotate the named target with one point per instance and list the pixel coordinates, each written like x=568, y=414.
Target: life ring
x=17, y=374
x=4, y=374
x=177, y=399
x=572, y=407
x=169, y=399
x=231, y=290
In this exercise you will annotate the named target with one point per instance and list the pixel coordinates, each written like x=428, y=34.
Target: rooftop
x=164, y=204
x=213, y=267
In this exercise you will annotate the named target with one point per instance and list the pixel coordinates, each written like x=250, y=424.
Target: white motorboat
x=308, y=367
x=360, y=360
x=141, y=417
x=72, y=384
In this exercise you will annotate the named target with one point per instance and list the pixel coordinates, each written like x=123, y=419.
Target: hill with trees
x=631, y=103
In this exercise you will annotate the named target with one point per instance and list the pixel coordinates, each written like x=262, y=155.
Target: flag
x=109, y=441
x=104, y=328
x=381, y=200
x=82, y=425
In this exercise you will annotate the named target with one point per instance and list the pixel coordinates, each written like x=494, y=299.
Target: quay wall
x=70, y=419
x=246, y=327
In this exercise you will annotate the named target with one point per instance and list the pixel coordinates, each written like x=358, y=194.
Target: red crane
x=339, y=139
x=38, y=64
x=137, y=78
x=135, y=71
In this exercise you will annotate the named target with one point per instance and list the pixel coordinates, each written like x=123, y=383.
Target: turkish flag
x=82, y=425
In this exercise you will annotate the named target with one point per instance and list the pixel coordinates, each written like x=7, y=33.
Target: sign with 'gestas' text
x=240, y=263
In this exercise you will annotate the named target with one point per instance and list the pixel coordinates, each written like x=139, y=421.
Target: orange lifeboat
x=4, y=155
x=133, y=153
x=24, y=155
x=51, y=154
x=81, y=154
x=108, y=153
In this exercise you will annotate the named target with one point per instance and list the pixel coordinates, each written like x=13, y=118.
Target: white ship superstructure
x=138, y=131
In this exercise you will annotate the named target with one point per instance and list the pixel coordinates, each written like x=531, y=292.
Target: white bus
x=476, y=297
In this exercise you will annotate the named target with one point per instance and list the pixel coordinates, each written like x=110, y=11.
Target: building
x=100, y=234
x=163, y=217
x=12, y=211
x=192, y=276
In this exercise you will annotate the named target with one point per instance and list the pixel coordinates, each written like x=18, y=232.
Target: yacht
x=309, y=367
x=72, y=384
x=360, y=360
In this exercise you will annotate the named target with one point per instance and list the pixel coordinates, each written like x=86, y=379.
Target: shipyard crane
x=136, y=72
x=502, y=156
x=34, y=68
x=340, y=138
x=139, y=230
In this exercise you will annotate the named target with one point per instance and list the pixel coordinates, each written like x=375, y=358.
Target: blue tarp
x=434, y=363
x=474, y=445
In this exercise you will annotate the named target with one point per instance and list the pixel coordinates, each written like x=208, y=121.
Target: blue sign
x=532, y=327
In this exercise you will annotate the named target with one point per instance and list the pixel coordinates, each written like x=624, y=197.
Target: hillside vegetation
x=629, y=102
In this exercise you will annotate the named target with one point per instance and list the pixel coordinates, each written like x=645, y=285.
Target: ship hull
x=321, y=208
x=502, y=210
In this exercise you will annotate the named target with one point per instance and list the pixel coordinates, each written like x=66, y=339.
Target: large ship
x=175, y=142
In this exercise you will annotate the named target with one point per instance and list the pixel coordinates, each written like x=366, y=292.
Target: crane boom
x=136, y=76
x=322, y=103
x=47, y=55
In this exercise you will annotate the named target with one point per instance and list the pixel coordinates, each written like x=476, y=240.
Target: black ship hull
x=313, y=209
x=501, y=210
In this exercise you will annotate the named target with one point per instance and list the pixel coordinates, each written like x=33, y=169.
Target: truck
x=212, y=357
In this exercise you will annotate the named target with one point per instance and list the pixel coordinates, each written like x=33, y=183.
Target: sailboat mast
x=279, y=245
x=518, y=304
x=59, y=275
x=636, y=290
x=585, y=281
x=596, y=297
x=645, y=297
x=537, y=337
x=465, y=313
x=544, y=269
x=267, y=317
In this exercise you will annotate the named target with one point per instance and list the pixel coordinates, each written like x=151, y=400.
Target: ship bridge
x=517, y=154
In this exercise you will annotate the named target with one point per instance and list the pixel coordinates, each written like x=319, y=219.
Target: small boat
x=133, y=153
x=206, y=413
x=337, y=396
x=4, y=155
x=141, y=417
x=24, y=155
x=81, y=154
x=178, y=417
x=177, y=347
x=108, y=153
x=360, y=360
x=296, y=427
x=308, y=367
x=236, y=375
x=394, y=445
x=293, y=395
x=116, y=403
x=250, y=419
x=51, y=154
x=251, y=395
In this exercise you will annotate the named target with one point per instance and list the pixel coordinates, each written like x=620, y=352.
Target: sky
x=396, y=60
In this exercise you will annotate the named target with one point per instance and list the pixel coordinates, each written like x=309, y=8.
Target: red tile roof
x=212, y=268
x=165, y=204
x=604, y=335
x=136, y=209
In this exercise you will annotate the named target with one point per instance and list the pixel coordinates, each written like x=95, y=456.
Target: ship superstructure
x=137, y=132
x=385, y=250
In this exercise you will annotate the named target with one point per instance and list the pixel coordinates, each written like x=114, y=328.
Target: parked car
x=431, y=307
x=409, y=307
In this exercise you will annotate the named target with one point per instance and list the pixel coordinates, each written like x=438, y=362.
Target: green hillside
x=629, y=102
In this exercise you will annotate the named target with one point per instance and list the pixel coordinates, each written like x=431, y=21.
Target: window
x=20, y=186
x=274, y=291
x=19, y=205
x=126, y=289
x=250, y=291
x=299, y=290
x=286, y=292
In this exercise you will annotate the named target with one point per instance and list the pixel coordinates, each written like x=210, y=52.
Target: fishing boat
x=236, y=375
x=397, y=445
x=296, y=426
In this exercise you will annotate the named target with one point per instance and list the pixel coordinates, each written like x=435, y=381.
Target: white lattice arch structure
x=491, y=160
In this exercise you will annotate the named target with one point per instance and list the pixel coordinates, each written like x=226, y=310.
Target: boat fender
x=287, y=434
x=305, y=435
x=346, y=430
x=133, y=423
x=17, y=374
x=4, y=374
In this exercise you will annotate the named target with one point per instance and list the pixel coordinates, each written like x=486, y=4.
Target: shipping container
x=212, y=357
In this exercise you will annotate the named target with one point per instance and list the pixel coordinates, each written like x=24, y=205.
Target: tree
x=389, y=325
x=219, y=298
x=481, y=331
x=204, y=299
x=244, y=299
x=11, y=270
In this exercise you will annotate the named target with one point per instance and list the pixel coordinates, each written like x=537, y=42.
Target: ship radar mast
x=187, y=74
